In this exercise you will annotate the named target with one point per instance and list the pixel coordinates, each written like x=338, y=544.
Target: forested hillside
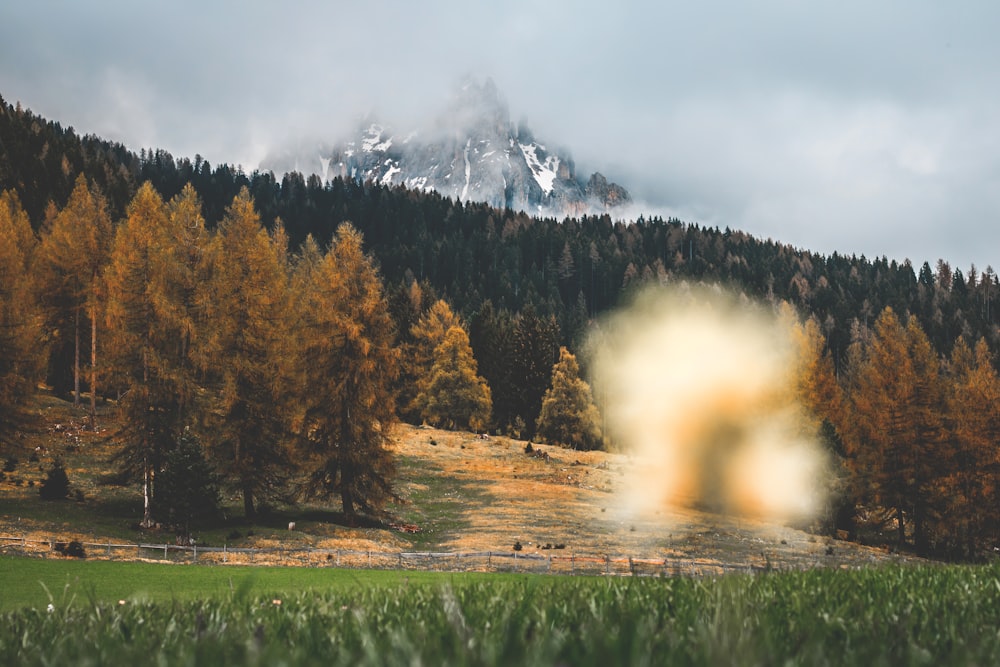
x=247, y=274
x=571, y=269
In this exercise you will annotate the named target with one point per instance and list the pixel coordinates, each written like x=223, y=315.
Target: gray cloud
x=858, y=127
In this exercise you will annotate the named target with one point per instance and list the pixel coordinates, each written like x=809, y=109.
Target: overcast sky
x=863, y=127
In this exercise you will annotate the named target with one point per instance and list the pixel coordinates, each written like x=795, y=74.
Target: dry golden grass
x=572, y=499
x=461, y=493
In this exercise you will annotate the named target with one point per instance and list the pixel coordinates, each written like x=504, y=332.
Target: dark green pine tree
x=535, y=350
x=187, y=489
x=491, y=334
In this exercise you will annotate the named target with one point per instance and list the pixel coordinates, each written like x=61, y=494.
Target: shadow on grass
x=439, y=504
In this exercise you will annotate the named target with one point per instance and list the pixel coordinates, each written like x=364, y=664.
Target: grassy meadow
x=131, y=613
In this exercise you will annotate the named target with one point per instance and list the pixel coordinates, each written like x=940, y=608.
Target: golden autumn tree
x=820, y=399
x=21, y=356
x=815, y=381
x=569, y=416
x=454, y=395
x=151, y=280
x=408, y=303
x=896, y=440
x=427, y=334
x=349, y=365
x=973, y=517
x=246, y=353
x=73, y=252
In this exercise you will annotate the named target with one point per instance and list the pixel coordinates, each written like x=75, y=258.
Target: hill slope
x=462, y=493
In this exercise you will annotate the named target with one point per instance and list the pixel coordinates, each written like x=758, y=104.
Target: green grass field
x=891, y=615
x=35, y=583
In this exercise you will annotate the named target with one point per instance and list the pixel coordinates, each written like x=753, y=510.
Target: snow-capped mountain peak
x=472, y=153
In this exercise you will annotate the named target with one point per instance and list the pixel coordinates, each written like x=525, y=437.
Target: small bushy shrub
x=75, y=549
x=55, y=486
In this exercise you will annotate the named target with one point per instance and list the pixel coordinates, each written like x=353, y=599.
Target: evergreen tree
x=896, y=430
x=491, y=334
x=973, y=516
x=816, y=381
x=535, y=350
x=187, y=488
x=568, y=416
x=426, y=335
x=71, y=257
x=21, y=356
x=246, y=355
x=821, y=400
x=55, y=486
x=349, y=365
x=150, y=283
x=454, y=395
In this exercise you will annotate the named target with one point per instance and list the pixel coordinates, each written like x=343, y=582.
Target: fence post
x=224, y=552
x=109, y=548
x=607, y=564
x=400, y=560
x=369, y=559
x=196, y=553
x=572, y=564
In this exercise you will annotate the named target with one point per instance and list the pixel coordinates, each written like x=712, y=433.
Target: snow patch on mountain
x=543, y=171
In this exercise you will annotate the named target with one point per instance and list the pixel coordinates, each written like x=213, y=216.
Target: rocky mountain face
x=472, y=153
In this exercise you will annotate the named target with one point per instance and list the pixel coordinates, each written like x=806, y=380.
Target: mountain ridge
x=471, y=152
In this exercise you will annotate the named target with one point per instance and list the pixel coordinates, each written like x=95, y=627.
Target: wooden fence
x=476, y=561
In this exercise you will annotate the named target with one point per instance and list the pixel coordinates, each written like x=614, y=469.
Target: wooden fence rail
x=489, y=561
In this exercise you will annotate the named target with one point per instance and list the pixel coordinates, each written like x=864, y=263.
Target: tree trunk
x=147, y=472
x=147, y=512
x=76, y=360
x=921, y=541
x=347, y=497
x=346, y=466
x=93, y=368
x=901, y=527
x=249, y=511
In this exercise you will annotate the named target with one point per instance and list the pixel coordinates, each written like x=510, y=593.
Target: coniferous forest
x=282, y=325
